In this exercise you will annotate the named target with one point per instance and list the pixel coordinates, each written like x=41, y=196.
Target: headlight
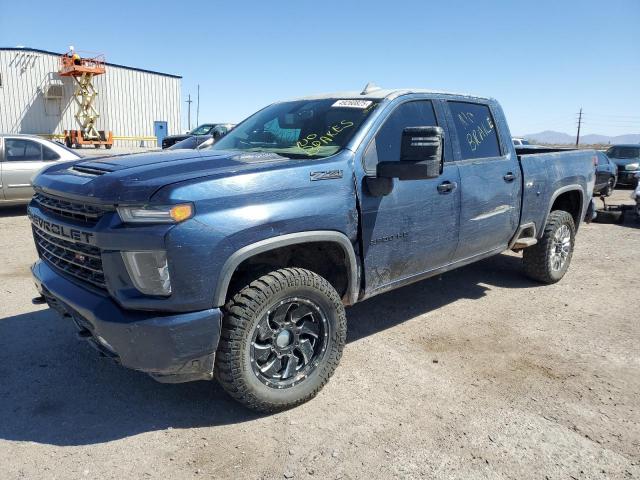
x=156, y=214
x=632, y=166
x=149, y=271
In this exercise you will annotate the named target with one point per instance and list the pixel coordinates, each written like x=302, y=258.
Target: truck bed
x=547, y=173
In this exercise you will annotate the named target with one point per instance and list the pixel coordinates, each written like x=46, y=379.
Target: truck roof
x=381, y=93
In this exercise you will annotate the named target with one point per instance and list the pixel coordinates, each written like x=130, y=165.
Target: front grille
x=81, y=212
x=76, y=259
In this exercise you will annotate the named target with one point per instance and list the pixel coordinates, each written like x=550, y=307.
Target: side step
x=524, y=242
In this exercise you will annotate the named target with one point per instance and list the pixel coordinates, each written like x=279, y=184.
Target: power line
x=614, y=116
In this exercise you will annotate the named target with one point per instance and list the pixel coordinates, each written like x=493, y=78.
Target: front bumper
x=628, y=178
x=172, y=348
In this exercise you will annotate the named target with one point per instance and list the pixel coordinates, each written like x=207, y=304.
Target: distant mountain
x=558, y=138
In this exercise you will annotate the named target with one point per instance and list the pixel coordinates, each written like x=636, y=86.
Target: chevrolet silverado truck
x=236, y=262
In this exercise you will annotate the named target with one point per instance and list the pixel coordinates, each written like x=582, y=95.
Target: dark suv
x=627, y=158
x=216, y=130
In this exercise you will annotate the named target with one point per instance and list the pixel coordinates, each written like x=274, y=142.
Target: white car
x=21, y=157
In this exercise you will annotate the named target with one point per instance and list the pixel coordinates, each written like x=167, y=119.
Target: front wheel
x=282, y=338
x=548, y=260
x=608, y=190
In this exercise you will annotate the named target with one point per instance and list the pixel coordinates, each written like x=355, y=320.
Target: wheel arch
x=334, y=238
x=569, y=198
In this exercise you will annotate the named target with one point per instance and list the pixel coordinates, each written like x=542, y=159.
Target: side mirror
x=421, y=155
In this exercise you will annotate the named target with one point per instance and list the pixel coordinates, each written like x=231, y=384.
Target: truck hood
x=134, y=178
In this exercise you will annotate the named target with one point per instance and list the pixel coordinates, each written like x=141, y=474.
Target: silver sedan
x=21, y=157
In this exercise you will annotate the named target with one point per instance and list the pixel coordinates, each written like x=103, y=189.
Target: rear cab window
x=49, y=154
x=475, y=129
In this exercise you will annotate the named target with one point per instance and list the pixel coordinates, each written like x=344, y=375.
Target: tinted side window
x=22, y=150
x=389, y=137
x=476, y=130
x=48, y=154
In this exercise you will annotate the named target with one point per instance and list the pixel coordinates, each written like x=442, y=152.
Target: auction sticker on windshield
x=353, y=103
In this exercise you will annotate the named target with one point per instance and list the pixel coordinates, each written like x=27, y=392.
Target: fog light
x=149, y=271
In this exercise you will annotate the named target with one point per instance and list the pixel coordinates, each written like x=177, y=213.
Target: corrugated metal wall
x=128, y=101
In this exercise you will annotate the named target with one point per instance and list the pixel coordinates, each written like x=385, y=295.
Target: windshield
x=300, y=129
x=201, y=130
x=624, y=152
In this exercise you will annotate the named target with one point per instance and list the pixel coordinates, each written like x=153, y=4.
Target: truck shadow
x=55, y=390
x=13, y=211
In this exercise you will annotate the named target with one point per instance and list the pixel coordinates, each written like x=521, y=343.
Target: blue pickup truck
x=236, y=262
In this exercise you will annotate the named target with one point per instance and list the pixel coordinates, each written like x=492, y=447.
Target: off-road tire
x=608, y=190
x=537, y=259
x=243, y=313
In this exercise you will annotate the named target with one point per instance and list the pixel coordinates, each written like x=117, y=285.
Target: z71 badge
x=326, y=175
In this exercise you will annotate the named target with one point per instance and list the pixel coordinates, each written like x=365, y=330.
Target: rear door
x=414, y=228
x=23, y=158
x=490, y=180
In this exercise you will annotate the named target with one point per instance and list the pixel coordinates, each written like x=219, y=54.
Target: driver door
x=414, y=229
x=23, y=158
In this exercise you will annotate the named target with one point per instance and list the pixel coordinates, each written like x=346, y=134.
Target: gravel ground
x=478, y=373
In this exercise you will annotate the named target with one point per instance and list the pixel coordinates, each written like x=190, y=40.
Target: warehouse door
x=160, y=131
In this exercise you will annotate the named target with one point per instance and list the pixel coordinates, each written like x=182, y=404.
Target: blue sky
x=542, y=60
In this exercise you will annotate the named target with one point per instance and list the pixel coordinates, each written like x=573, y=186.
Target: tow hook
x=39, y=300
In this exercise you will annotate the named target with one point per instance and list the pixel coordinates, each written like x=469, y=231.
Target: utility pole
x=189, y=102
x=198, y=108
x=579, y=124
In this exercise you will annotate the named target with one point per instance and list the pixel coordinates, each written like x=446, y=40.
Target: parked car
x=518, y=142
x=239, y=261
x=636, y=197
x=606, y=175
x=216, y=130
x=192, y=143
x=627, y=158
x=21, y=156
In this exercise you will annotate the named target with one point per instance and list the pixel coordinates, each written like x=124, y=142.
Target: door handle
x=509, y=177
x=447, y=187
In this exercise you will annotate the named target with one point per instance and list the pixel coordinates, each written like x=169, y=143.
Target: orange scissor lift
x=82, y=70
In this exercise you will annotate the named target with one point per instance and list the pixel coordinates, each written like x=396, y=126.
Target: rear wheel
x=549, y=259
x=282, y=338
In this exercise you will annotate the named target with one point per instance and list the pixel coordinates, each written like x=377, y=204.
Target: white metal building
x=132, y=103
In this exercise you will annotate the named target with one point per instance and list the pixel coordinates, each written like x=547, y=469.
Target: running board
x=524, y=243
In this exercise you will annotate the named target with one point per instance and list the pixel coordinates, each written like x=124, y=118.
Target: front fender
x=232, y=263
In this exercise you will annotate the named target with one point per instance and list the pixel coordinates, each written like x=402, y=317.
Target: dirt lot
x=478, y=373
